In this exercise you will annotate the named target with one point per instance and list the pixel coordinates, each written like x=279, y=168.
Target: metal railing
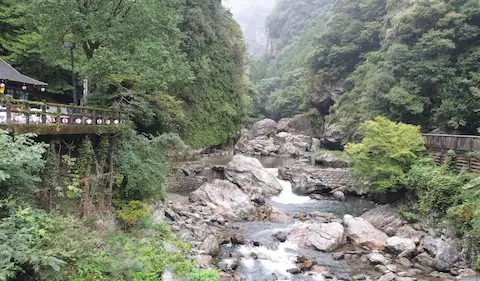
x=14, y=111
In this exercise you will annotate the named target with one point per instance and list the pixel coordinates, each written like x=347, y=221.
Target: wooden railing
x=457, y=143
x=14, y=111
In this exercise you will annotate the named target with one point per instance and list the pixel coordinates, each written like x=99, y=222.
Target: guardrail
x=14, y=111
x=458, y=143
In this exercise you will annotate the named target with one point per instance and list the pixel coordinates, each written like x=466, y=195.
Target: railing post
x=8, y=105
x=58, y=119
x=70, y=115
x=44, y=114
x=27, y=112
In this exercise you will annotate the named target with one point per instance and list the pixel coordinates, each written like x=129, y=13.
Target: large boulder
x=307, y=179
x=224, y=198
x=249, y=174
x=444, y=251
x=210, y=246
x=298, y=125
x=263, y=145
x=265, y=127
x=400, y=245
x=327, y=236
x=384, y=217
x=334, y=137
x=409, y=232
x=328, y=160
x=364, y=234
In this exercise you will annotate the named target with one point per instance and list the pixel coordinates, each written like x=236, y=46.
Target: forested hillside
x=282, y=74
x=412, y=61
x=175, y=66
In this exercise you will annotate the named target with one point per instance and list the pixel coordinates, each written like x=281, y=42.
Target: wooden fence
x=458, y=143
x=41, y=113
x=467, y=163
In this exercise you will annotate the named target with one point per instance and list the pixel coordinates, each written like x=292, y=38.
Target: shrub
x=132, y=212
x=204, y=275
x=386, y=153
x=20, y=164
x=437, y=188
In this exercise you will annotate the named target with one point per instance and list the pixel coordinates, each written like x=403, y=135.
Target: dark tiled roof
x=7, y=72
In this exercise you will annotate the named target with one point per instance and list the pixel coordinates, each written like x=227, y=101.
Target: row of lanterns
x=24, y=87
x=90, y=121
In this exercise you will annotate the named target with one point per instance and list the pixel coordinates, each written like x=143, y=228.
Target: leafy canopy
x=385, y=154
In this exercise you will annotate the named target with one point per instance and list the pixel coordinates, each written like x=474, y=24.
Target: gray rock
x=204, y=260
x=324, y=97
x=404, y=262
x=210, y=245
x=384, y=217
x=334, y=137
x=237, y=239
x=425, y=259
x=281, y=236
x=228, y=265
x=249, y=174
x=399, y=245
x=327, y=236
x=377, y=258
x=405, y=279
x=224, y=198
x=409, y=232
x=330, y=161
x=316, y=144
x=364, y=234
x=387, y=277
x=265, y=127
x=338, y=195
x=443, y=250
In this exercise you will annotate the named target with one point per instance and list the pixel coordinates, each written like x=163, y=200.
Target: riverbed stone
x=387, y=277
x=280, y=236
x=444, y=251
x=339, y=195
x=409, y=232
x=377, y=258
x=249, y=174
x=327, y=236
x=210, y=246
x=328, y=160
x=364, y=234
x=224, y=198
x=399, y=245
x=237, y=239
x=384, y=217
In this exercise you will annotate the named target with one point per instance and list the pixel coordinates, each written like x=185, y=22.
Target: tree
x=385, y=155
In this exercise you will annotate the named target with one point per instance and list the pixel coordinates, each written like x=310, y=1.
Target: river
x=272, y=259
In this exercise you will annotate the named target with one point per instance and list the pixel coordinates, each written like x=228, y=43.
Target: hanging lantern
x=42, y=89
x=64, y=120
x=99, y=121
x=89, y=122
x=78, y=121
x=2, y=85
x=116, y=122
x=24, y=87
x=107, y=122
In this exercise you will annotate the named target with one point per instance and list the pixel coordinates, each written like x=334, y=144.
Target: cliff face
x=252, y=16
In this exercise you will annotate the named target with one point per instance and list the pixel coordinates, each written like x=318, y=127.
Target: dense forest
x=412, y=61
x=157, y=60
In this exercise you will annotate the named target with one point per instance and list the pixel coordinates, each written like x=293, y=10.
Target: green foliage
x=141, y=165
x=133, y=211
x=282, y=76
x=410, y=216
x=172, y=66
x=383, y=158
x=474, y=184
x=135, y=257
x=20, y=164
x=204, y=275
x=409, y=61
x=38, y=243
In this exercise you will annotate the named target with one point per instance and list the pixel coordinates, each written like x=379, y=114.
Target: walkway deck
x=19, y=116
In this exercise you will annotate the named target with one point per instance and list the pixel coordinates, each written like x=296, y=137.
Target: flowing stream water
x=272, y=259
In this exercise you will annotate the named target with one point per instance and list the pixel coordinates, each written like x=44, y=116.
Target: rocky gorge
x=299, y=223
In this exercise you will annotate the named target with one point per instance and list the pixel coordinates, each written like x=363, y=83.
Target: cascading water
x=273, y=258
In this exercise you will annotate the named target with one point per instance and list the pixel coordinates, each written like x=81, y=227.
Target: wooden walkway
x=41, y=118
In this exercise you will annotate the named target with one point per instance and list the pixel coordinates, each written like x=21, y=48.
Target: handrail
x=455, y=136
x=460, y=143
x=20, y=112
